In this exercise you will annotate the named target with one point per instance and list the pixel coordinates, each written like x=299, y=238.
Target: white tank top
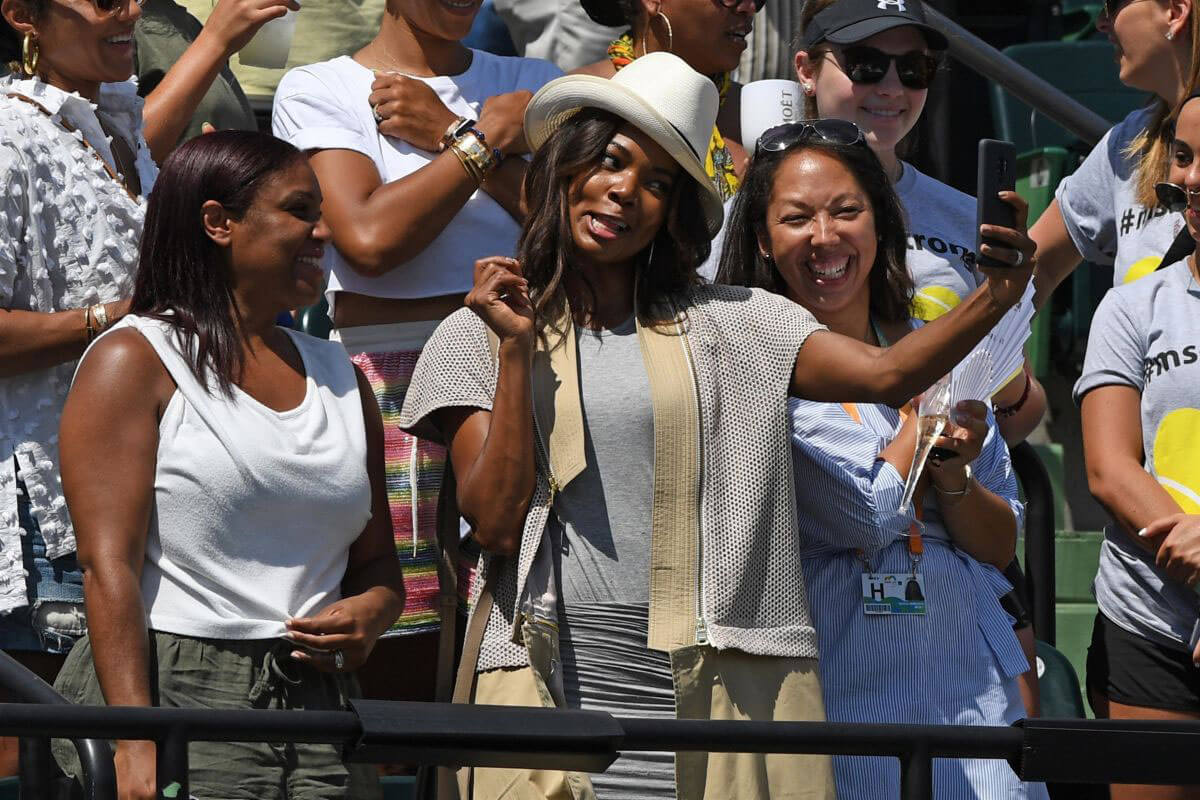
x=254, y=509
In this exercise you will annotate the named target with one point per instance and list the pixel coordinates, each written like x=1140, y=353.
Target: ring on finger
x=375, y=113
x=1020, y=258
x=339, y=660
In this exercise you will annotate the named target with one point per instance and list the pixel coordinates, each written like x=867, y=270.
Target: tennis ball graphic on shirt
x=1141, y=268
x=1177, y=457
x=930, y=302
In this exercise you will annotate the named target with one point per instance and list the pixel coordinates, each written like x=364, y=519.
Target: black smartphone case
x=997, y=172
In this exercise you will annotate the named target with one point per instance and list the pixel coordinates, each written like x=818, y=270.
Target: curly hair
x=742, y=264
x=547, y=248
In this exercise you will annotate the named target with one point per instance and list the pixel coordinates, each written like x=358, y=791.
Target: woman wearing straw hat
x=619, y=435
x=710, y=37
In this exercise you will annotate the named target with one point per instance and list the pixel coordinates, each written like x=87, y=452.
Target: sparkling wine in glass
x=933, y=413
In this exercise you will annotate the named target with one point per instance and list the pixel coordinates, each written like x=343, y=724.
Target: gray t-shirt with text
x=1146, y=335
x=1106, y=223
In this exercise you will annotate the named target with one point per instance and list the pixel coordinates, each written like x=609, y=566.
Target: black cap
x=605, y=12
x=849, y=21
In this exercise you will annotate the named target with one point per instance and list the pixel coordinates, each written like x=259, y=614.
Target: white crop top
x=254, y=509
x=324, y=106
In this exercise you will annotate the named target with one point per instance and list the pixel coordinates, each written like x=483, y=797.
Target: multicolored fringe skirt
x=387, y=355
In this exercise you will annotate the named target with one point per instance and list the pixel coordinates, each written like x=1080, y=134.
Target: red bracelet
x=1003, y=412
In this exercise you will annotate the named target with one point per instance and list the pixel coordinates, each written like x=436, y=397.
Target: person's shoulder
x=512, y=73
x=1134, y=124
x=126, y=350
x=598, y=69
x=1174, y=280
x=327, y=75
x=925, y=186
x=743, y=305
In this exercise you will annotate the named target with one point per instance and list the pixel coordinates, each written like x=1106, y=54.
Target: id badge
x=893, y=593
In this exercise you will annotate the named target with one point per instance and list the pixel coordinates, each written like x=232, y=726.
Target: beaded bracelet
x=1003, y=412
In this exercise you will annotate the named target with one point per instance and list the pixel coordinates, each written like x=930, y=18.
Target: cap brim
x=559, y=100
x=867, y=28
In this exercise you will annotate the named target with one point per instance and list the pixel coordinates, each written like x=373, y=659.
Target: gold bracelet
x=467, y=163
x=475, y=148
x=88, y=326
x=100, y=314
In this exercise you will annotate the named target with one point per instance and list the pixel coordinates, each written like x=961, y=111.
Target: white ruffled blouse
x=69, y=235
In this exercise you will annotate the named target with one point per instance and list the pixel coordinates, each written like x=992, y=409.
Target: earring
x=766, y=257
x=808, y=88
x=29, y=55
x=1170, y=35
x=670, y=33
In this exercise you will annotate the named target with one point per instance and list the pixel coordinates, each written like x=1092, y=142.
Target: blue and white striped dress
x=957, y=664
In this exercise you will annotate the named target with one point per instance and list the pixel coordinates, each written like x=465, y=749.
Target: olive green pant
x=236, y=674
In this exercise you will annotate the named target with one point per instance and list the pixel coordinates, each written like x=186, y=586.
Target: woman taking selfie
x=242, y=556
x=817, y=221
x=598, y=402
x=416, y=140
x=1106, y=211
x=1137, y=399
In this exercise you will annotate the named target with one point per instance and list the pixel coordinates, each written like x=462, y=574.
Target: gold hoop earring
x=670, y=33
x=29, y=55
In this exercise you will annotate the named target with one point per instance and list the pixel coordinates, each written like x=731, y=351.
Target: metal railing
x=1033, y=90
x=1062, y=751
x=98, y=778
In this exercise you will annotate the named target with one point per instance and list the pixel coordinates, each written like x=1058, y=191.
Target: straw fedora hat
x=660, y=95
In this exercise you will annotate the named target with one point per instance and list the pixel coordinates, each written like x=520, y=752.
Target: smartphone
x=997, y=172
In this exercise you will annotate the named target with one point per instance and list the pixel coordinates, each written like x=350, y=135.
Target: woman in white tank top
x=241, y=554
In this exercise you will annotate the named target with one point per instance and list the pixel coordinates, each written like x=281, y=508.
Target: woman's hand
x=964, y=436
x=502, y=121
x=501, y=298
x=136, y=771
x=233, y=23
x=408, y=109
x=1007, y=284
x=352, y=625
x=1179, y=546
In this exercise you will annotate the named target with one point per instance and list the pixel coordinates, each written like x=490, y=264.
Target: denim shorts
x=54, y=618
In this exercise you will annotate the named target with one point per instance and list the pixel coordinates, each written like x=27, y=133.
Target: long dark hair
x=547, y=248
x=742, y=264
x=183, y=276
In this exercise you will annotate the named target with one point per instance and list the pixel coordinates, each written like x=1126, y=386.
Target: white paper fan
x=997, y=357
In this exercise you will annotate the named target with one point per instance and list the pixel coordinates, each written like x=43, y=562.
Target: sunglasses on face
x=789, y=134
x=758, y=4
x=1113, y=7
x=868, y=65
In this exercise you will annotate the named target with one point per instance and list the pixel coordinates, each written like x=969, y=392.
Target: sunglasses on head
x=789, y=134
x=863, y=64
x=758, y=4
x=114, y=6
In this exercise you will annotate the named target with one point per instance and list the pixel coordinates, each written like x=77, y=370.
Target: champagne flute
x=933, y=413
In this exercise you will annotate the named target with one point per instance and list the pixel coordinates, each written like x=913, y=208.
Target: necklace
x=69, y=128
x=718, y=162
